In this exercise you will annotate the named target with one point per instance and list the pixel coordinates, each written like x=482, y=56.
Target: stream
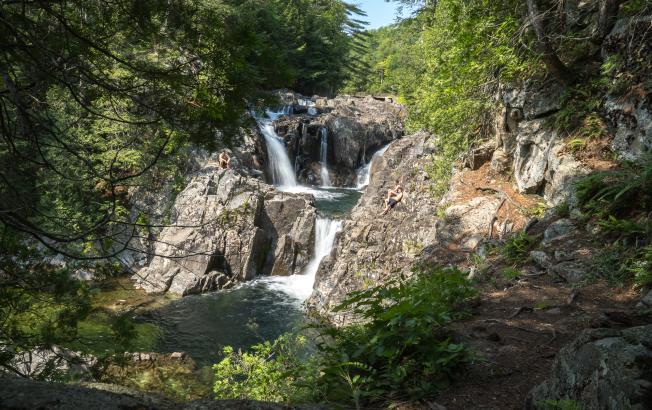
x=265, y=308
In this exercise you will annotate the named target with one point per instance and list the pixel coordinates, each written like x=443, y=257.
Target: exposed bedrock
x=601, y=369
x=371, y=248
x=227, y=227
x=354, y=129
x=24, y=394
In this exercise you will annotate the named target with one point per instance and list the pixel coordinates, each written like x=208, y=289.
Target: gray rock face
x=601, y=369
x=372, y=248
x=540, y=166
x=630, y=116
x=24, y=394
x=355, y=129
x=558, y=230
x=224, y=225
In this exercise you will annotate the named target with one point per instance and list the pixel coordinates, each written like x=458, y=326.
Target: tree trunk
x=555, y=66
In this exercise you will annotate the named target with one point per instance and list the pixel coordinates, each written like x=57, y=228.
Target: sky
x=379, y=12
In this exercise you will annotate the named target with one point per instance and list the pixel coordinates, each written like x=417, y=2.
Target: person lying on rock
x=225, y=160
x=394, y=196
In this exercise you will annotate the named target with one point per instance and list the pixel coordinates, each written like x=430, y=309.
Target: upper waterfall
x=280, y=167
x=323, y=157
x=364, y=173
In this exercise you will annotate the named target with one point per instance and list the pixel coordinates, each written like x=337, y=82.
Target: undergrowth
x=620, y=204
x=398, y=349
x=517, y=248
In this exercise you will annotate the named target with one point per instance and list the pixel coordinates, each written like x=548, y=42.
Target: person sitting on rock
x=394, y=196
x=225, y=160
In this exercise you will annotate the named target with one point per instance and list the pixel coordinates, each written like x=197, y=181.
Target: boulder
x=222, y=232
x=601, y=369
x=558, y=230
x=24, y=394
x=289, y=221
x=541, y=259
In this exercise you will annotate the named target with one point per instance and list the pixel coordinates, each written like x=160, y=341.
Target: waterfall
x=300, y=286
x=323, y=157
x=364, y=172
x=280, y=166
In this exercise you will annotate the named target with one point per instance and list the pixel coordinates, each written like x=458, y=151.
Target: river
x=266, y=307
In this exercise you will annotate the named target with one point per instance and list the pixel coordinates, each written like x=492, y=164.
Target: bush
x=517, y=247
x=274, y=372
x=399, y=349
x=617, y=192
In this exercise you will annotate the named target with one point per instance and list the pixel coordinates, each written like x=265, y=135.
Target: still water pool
x=253, y=312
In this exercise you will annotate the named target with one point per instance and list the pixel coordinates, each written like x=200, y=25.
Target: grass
x=510, y=273
x=517, y=248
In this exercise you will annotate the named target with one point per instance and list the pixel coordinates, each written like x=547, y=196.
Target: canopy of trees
x=95, y=95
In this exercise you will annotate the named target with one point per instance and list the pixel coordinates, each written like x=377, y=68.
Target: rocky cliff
x=354, y=128
x=227, y=227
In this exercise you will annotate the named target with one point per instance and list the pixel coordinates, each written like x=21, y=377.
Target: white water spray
x=364, y=172
x=323, y=158
x=280, y=167
x=300, y=286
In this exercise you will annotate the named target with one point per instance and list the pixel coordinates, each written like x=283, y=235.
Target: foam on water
x=300, y=286
x=364, y=172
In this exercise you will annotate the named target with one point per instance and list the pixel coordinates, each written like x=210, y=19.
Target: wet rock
x=558, y=230
x=601, y=369
x=224, y=227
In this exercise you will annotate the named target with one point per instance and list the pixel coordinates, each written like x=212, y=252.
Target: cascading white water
x=323, y=157
x=279, y=163
x=364, y=172
x=300, y=286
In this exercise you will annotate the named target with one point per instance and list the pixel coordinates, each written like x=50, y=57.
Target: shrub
x=640, y=267
x=510, y=273
x=276, y=371
x=399, y=348
x=617, y=192
x=517, y=247
x=562, y=405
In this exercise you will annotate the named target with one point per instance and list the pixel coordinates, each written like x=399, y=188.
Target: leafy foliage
x=277, y=372
x=400, y=348
x=617, y=192
x=517, y=247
